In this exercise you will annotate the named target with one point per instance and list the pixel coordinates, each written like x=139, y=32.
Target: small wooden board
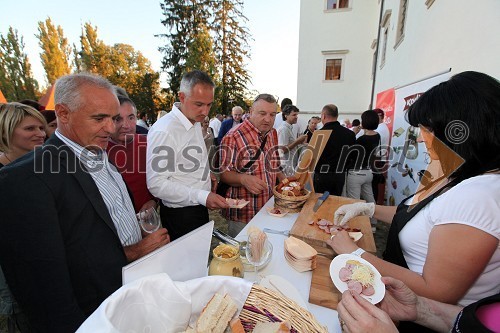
x=316, y=237
x=323, y=292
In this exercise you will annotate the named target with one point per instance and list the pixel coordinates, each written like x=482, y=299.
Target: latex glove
x=346, y=212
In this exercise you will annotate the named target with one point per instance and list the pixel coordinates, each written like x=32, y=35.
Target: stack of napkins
x=300, y=255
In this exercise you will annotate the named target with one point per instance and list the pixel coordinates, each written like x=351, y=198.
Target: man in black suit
x=68, y=223
x=329, y=174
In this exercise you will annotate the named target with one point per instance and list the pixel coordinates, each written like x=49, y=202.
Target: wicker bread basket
x=290, y=203
x=264, y=305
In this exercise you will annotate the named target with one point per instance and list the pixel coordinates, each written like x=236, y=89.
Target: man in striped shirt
x=240, y=146
x=68, y=222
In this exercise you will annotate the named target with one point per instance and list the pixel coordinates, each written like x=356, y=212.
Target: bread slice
x=226, y=315
x=276, y=327
x=216, y=315
x=210, y=313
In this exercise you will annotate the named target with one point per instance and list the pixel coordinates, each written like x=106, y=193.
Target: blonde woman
x=22, y=129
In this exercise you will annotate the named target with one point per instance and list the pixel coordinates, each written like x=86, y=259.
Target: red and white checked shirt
x=237, y=148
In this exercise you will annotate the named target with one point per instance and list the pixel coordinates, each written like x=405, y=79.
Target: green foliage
x=94, y=54
x=123, y=66
x=187, y=36
x=232, y=49
x=207, y=35
x=16, y=78
x=56, y=52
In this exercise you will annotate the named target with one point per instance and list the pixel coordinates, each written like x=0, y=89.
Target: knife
x=320, y=201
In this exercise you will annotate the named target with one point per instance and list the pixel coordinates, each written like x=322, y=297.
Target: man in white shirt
x=177, y=168
x=385, y=135
x=142, y=120
x=383, y=130
x=288, y=140
x=215, y=125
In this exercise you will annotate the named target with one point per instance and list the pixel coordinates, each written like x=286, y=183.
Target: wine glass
x=258, y=250
x=149, y=220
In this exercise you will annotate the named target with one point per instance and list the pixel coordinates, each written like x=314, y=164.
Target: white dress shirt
x=177, y=169
x=286, y=137
x=215, y=125
x=383, y=130
x=142, y=123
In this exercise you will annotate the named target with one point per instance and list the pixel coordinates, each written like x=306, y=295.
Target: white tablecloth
x=279, y=266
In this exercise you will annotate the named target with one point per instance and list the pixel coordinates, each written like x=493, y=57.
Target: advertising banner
x=385, y=101
x=409, y=159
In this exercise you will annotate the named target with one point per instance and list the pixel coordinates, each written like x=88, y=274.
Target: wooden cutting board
x=316, y=237
x=323, y=292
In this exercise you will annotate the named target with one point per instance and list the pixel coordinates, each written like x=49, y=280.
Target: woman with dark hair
x=360, y=176
x=444, y=242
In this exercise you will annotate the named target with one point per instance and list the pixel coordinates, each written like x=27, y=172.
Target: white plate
x=339, y=261
x=279, y=284
x=241, y=203
x=284, y=212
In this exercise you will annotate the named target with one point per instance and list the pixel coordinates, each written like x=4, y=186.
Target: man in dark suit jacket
x=228, y=124
x=61, y=243
x=329, y=174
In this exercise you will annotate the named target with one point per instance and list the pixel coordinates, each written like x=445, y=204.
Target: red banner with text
x=385, y=101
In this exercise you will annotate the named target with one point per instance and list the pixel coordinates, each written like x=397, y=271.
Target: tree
x=16, y=79
x=133, y=72
x=232, y=50
x=201, y=53
x=56, y=50
x=94, y=55
x=185, y=21
x=123, y=66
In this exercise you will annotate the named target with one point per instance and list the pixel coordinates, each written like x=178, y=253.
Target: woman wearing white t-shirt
x=444, y=241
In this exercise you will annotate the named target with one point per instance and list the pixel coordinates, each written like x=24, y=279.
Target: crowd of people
x=73, y=180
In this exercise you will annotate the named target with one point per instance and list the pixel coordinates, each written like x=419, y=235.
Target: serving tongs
x=226, y=239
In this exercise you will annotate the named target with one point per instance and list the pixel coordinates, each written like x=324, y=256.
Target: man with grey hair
x=177, y=168
x=64, y=227
x=229, y=124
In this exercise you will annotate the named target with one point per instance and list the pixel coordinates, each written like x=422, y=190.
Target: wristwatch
x=358, y=252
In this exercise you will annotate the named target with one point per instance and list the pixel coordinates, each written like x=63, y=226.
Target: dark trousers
x=180, y=221
x=331, y=182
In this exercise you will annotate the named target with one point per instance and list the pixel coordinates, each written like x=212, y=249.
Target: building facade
x=349, y=50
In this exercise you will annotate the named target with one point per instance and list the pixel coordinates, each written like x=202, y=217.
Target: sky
x=273, y=24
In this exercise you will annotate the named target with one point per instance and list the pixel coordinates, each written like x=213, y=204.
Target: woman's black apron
x=393, y=252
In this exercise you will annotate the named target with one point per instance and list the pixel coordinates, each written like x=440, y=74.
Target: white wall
x=461, y=34
x=352, y=30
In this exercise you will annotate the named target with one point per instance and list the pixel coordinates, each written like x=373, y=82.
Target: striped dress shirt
x=113, y=191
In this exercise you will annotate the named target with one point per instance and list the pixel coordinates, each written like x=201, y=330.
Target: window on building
x=337, y=4
x=403, y=8
x=386, y=22
x=333, y=69
x=384, y=46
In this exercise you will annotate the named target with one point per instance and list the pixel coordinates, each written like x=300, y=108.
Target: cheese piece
x=362, y=274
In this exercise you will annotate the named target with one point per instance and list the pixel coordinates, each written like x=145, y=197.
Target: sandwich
x=216, y=315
